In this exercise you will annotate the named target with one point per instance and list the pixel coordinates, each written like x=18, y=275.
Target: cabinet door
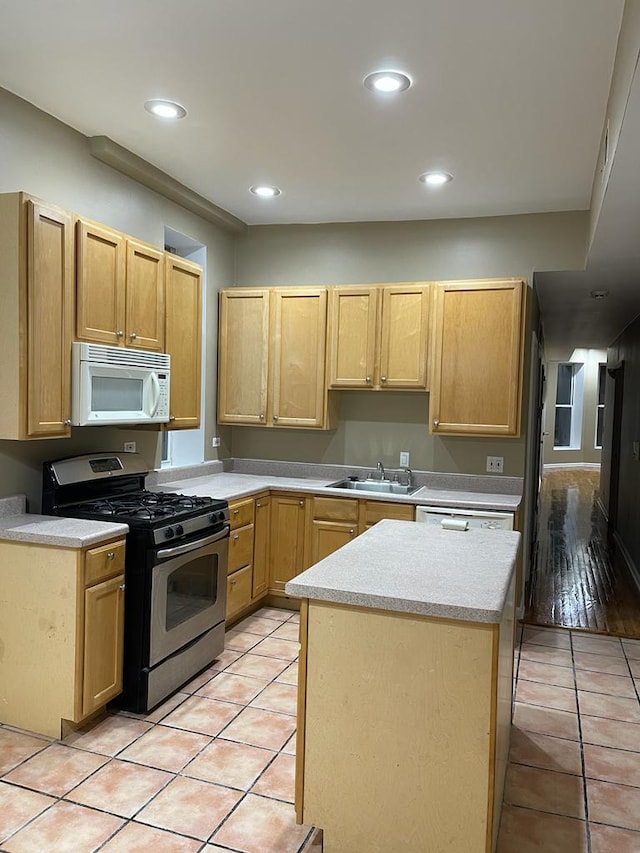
x=183, y=340
x=298, y=360
x=238, y=592
x=103, y=638
x=353, y=315
x=100, y=284
x=328, y=536
x=49, y=320
x=403, y=336
x=243, y=343
x=144, y=327
x=240, y=548
x=287, y=539
x=261, y=546
x=476, y=382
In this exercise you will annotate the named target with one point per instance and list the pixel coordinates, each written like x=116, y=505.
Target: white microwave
x=114, y=385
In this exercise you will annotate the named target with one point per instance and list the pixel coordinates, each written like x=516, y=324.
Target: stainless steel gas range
x=175, y=568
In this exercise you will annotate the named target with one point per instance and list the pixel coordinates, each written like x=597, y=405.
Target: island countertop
x=417, y=569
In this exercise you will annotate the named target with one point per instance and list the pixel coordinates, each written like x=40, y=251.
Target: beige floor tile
x=612, y=839
x=228, y=687
x=261, y=824
x=139, y=838
x=257, y=625
x=597, y=644
x=202, y=716
x=120, y=787
x=257, y=666
x=64, y=828
x=288, y=631
x=610, y=733
x=240, y=641
x=279, y=779
x=295, y=618
x=189, y=806
x=631, y=649
x=282, y=698
x=528, y=831
x=225, y=762
x=634, y=666
x=612, y=765
x=546, y=721
x=274, y=648
x=290, y=674
x=612, y=707
x=18, y=806
x=56, y=770
x=162, y=710
x=109, y=736
x=612, y=685
x=547, y=637
x=313, y=843
x=165, y=748
x=550, y=696
x=200, y=680
x=290, y=745
x=544, y=790
x=548, y=753
x=618, y=805
x=601, y=663
x=16, y=747
x=545, y=654
x=223, y=660
x=261, y=728
x=560, y=676
x=276, y=613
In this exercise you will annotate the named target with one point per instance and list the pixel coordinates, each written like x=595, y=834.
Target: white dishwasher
x=463, y=519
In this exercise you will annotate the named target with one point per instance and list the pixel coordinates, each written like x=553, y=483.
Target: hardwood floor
x=578, y=580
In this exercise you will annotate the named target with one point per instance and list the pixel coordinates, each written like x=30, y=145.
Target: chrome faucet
x=409, y=474
x=380, y=470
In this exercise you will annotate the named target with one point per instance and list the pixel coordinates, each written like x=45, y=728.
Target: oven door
x=188, y=593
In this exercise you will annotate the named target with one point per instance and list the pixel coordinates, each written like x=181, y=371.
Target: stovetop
x=144, y=508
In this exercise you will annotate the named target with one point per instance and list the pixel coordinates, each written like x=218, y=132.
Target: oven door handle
x=193, y=546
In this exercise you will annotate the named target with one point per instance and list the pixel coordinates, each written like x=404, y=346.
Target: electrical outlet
x=129, y=447
x=404, y=458
x=495, y=464
x=215, y=441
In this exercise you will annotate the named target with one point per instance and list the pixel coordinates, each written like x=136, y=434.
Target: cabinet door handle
x=258, y=505
x=261, y=416
x=383, y=379
x=236, y=536
x=133, y=336
x=67, y=422
x=301, y=503
x=351, y=532
x=111, y=555
x=122, y=587
x=172, y=417
x=120, y=333
x=233, y=583
x=236, y=512
x=436, y=423
x=275, y=419
x=367, y=379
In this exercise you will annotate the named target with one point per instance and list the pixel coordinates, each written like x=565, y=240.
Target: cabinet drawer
x=103, y=562
x=238, y=591
x=335, y=509
x=241, y=513
x=240, y=548
x=376, y=510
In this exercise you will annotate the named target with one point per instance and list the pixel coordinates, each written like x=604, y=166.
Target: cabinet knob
x=383, y=379
x=261, y=416
x=301, y=503
x=122, y=587
x=111, y=555
x=436, y=423
x=133, y=336
x=258, y=505
x=236, y=536
x=67, y=422
x=275, y=419
x=367, y=379
x=236, y=512
x=172, y=417
x=351, y=532
x=120, y=333
x=233, y=583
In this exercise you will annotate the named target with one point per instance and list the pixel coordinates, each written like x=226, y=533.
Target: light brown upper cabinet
x=183, y=339
x=120, y=289
x=36, y=321
x=476, y=383
x=378, y=336
x=271, y=359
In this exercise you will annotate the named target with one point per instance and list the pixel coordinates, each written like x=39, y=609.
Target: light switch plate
x=404, y=458
x=215, y=441
x=129, y=447
x=495, y=464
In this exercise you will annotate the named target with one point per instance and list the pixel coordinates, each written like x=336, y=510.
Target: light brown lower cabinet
x=62, y=617
x=403, y=728
x=287, y=545
x=261, y=530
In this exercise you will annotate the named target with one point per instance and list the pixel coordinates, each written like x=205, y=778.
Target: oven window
x=116, y=394
x=191, y=589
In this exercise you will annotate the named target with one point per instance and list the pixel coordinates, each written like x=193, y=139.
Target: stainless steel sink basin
x=387, y=487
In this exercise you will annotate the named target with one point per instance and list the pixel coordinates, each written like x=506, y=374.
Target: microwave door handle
x=156, y=386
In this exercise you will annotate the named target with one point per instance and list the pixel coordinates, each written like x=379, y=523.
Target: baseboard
x=626, y=556
x=589, y=466
x=602, y=509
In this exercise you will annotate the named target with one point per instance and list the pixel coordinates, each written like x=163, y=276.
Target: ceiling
x=509, y=96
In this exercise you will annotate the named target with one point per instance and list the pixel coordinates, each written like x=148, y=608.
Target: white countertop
x=416, y=568
x=52, y=530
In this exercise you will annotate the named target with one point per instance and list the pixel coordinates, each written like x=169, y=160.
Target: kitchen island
x=405, y=689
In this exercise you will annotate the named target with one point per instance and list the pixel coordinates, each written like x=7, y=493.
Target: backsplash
x=15, y=505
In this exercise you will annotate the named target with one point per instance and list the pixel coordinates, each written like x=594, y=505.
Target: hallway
x=577, y=581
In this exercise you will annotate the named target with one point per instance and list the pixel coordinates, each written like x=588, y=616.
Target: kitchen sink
x=387, y=487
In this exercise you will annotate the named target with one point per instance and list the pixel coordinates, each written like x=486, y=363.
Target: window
x=568, y=419
x=602, y=378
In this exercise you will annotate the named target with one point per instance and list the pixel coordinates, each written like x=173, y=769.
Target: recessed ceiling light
x=165, y=109
x=436, y=179
x=387, y=82
x=264, y=191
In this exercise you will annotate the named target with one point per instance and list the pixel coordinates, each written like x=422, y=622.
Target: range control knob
x=168, y=533
x=179, y=530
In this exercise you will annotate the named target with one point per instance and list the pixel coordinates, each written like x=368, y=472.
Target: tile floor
x=212, y=770
x=573, y=784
